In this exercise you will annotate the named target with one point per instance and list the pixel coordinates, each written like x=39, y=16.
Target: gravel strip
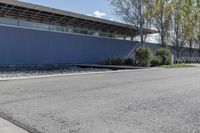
x=30, y=73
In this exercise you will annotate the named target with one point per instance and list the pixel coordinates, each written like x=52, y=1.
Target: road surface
x=140, y=101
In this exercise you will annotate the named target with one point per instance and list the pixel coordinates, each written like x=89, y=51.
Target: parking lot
x=138, y=101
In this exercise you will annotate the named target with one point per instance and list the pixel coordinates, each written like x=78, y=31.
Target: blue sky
x=98, y=8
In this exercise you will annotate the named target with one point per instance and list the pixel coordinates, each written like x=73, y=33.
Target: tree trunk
x=199, y=41
x=178, y=52
x=199, y=50
x=141, y=35
x=162, y=24
x=190, y=48
x=141, y=25
x=177, y=31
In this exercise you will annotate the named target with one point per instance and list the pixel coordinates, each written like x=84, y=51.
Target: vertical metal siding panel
x=27, y=46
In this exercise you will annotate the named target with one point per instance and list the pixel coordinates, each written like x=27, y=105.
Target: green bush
x=128, y=61
x=143, y=55
x=113, y=61
x=165, y=55
x=156, y=61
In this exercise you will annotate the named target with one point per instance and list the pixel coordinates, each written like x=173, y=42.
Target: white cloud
x=97, y=14
x=89, y=14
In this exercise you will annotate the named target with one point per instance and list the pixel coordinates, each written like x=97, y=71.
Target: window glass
x=7, y=21
x=83, y=32
x=75, y=31
x=91, y=33
x=34, y=25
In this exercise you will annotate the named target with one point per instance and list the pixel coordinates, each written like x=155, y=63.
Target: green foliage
x=156, y=61
x=177, y=21
x=128, y=61
x=119, y=61
x=113, y=61
x=164, y=54
x=143, y=55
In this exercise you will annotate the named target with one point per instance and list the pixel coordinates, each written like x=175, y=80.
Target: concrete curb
x=8, y=127
x=13, y=125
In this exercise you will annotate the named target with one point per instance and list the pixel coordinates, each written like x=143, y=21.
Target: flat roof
x=31, y=12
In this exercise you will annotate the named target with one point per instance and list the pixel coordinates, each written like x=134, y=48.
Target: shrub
x=113, y=61
x=128, y=61
x=143, y=55
x=156, y=61
x=165, y=55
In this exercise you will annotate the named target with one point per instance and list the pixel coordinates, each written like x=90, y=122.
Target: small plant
x=156, y=61
x=143, y=55
x=128, y=61
x=165, y=55
x=113, y=61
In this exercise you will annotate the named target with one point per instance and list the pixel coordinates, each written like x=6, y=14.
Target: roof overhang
x=31, y=12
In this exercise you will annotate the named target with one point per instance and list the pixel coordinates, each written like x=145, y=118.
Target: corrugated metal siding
x=28, y=46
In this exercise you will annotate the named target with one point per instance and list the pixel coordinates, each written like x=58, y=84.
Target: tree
x=177, y=37
x=161, y=15
x=190, y=22
x=197, y=19
x=134, y=13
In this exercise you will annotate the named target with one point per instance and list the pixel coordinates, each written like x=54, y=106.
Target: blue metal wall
x=184, y=52
x=28, y=46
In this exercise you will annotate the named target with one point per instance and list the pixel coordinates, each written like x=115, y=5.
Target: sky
x=96, y=8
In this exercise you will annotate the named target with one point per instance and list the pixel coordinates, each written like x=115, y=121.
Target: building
x=33, y=34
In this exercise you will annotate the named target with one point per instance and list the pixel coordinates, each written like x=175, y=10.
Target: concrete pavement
x=156, y=101
x=7, y=127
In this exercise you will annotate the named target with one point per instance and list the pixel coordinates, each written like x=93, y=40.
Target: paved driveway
x=144, y=101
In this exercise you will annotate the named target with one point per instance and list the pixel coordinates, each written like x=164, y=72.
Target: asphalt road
x=141, y=101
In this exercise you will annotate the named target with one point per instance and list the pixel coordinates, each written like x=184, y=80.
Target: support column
x=124, y=37
x=96, y=33
x=131, y=38
x=70, y=30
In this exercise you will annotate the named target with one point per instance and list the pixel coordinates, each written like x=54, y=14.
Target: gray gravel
x=141, y=101
x=30, y=73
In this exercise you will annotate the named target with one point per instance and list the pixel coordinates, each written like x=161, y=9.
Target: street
x=138, y=101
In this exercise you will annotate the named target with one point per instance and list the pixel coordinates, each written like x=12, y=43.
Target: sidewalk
x=7, y=127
